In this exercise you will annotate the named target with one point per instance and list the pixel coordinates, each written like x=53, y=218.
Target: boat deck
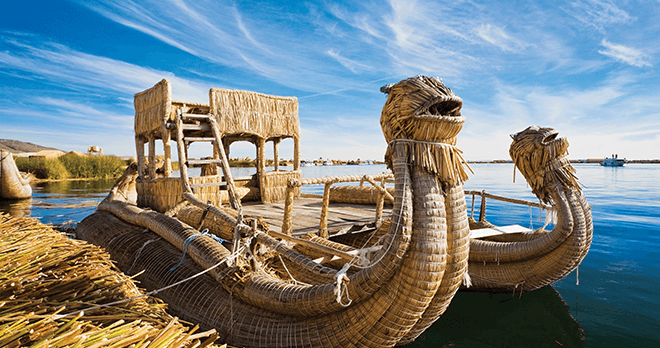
x=307, y=215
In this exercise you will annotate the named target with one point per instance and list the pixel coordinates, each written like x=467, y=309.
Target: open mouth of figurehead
x=550, y=136
x=442, y=106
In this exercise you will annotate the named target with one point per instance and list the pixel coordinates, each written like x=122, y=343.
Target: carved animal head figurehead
x=421, y=108
x=540, y=155
x=423, y=117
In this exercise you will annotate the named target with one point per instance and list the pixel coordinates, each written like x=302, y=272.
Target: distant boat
x=614, y=161
x=13, y=185
x=327, y=162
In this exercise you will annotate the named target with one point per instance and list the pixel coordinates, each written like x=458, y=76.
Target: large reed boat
x=268, y=266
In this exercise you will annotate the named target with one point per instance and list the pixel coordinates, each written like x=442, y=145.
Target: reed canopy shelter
x=230, y=116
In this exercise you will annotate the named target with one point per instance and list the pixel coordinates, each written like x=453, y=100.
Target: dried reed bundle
x=45, y=275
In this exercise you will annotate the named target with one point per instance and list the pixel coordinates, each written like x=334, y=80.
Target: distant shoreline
x=574, y=161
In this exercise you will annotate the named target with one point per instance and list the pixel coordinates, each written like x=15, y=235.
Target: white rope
x=341, y=276
x=139, y=252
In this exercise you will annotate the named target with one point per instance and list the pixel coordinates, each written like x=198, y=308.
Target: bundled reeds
x=53, y=290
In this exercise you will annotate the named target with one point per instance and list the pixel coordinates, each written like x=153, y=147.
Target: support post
x=167, y=149
x=139, y=145
x=181, y=150
x=323, y=226
x=287, y=221
x=296, y=153
x=482, y=209
x=276, y=154
x=152, y=156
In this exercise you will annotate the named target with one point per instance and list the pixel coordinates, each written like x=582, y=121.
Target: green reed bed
x=51, y=287
x=72, y=166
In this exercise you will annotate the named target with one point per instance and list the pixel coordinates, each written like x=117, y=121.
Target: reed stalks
x=51, y=287
x=72, y=166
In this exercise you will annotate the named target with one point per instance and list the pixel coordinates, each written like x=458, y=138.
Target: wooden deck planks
x=307, y=214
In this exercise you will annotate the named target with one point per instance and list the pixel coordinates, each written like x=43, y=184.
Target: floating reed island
x=59, y=292
x=267, y=266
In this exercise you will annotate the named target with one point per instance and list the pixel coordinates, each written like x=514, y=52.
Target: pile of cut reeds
x=52, y=289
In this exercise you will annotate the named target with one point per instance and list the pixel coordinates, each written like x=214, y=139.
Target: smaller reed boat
x=13, y=185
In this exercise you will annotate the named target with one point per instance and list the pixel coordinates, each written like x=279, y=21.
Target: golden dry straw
x=45, y=275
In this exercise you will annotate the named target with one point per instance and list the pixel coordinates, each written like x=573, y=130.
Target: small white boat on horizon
x=613, y=161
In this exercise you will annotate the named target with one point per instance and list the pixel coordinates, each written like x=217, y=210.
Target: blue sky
x=588, y=68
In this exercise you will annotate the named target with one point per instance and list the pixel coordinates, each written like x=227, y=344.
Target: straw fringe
x=443, y=160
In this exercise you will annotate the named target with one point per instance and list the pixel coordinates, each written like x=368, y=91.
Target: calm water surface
x=616, y=303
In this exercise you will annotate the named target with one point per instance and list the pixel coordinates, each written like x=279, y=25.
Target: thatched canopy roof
x=251, y=113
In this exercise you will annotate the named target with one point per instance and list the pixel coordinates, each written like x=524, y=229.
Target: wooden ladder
x=189, y=125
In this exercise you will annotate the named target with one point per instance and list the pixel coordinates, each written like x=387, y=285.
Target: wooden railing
x=484, y=195
x=292, y=184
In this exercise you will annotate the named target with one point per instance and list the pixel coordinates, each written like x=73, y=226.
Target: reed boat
x=529, y=260
x=267, y=265
x=13, y=185
x=202, y=245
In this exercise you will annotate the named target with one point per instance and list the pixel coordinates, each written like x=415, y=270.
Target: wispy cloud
x=500, y=38
x=625, y=54
x=598, y=14
x=349, y=64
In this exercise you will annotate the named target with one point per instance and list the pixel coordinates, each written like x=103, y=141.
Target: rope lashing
x=341, y=276
x=189, y=239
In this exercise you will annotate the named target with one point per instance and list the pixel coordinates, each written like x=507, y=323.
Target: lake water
x=616, y=303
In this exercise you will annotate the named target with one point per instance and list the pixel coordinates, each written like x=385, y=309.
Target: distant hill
x=17, y=146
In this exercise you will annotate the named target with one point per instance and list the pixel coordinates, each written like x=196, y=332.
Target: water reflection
x=60, y=202
x=16, y=208
x=536, y=319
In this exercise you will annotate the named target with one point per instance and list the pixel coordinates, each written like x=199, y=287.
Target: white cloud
x=625, y=54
